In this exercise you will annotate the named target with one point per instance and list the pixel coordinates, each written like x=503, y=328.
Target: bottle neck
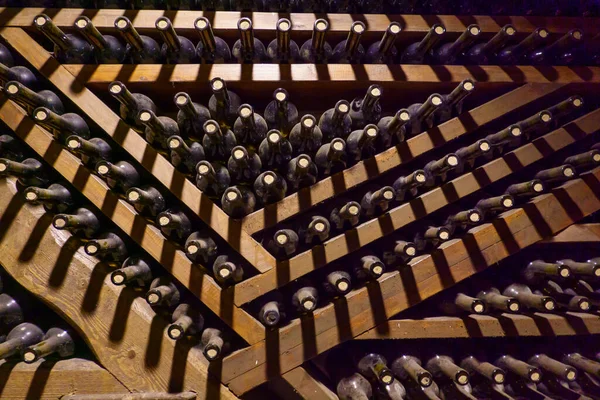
x=188, y=108
x=155, y=124
x=222, y=96
x=170, y=37
x=352, y=42
x=283, y=41
x=247, y=40
x=462, y=43
x=529, y=43
x=207, y=38
x=458, y=94
x=20, y=169
x=27, y=96
x=4, y=73
x=49, y=345
x=387, y=42
x=425, y=110
x=132, y=37
x=397, y=123
x=76, y=221
x=428, y=42
x=563, y=44
x=94, y=36
x=57, y=36
x=497, y=42
x=125, y=97
x=10, y=347
x=48, y=118
x=318, y=41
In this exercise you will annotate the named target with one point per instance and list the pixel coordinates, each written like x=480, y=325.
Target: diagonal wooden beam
x=579, y=233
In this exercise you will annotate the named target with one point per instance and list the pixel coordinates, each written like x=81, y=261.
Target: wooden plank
x=307, y=386
x=298, y=75
x=194, y=277
x=404, y=214
x=139, y=149
x=122, y=330
x=51, y=380
x=369, y=306
x=576, y=233
x=505, y=325
x=133, y=396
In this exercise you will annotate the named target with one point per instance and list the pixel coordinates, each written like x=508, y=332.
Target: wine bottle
x=331, y=157
x=431, y=237
x=283, y=244
x=453, y=102
x=316, y=231
x=565, y=108
x=561, y=52
x=484, y=369
x=107, y=49
x=366, y=110
x=444, y=368
x=464, y=219
x=493, y=299
x=223, y=104
x=270, y=187
x=108, y=247
x=461, y=304
x=237, y=201
x=554, y=367
x=20, y=74
x=450, y=53
x=496, y=204
x=316, y=50
x=226, y=271
x=187, y=321
x=281, y=114
x=384, y=51
x=119, y=176
x=301, y=172
x=539, y=270
x=131, y=103
x=212, y=179
x=469, y=154
x=437, y=170
x=56, y=198
x=485, y=53
x=346, y=215
x=361, y=143
x=19, y=338
x=175, y=49
x=354, y=386
x=283, y=50
x=402, y=252
x=519, y=368
x=526, y=297
x=11, y=313
x=68, y=48
x=174, y=224
x=200, y=247
x=515, y=53
x=586, y=160
x=350, y=51
x=336, y=122
x=275, y=151
x=191, y=116
x=163, y=293
x=409, y=184
x=377, y=201
x=183, y=156
x=147, y=200
x=158, y=129
x=212, y=343
x=368, y=268
x=83, y=222
x=306, y=136
x=134, y=271
x=527, y=189
x=338, y=283
x=28, y=172
x=409, y=368
x=392, y=127
x=305, y=299
x=55, y=341
x=211, y=49
x=30, y=100
x=536, y=123
x=416, y=53
x=5, y=57
x=568, y=299
x=249, y=128
x=10, y=148
x=374, y=366
x=581, y=269
x=91, y=151
x=142, y=49
x=508, y=136
x=247, y=49
x=271, y=313
x=584, y=364
x=562, y=173
x=61, y=126
x=218, y=145
x=422, y=114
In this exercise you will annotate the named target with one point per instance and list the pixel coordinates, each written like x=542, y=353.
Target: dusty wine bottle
x=83, y=222
x=10, y=148
x=452, y=104
x=212, y=179
x=275, y=151
x=211, y=49
x=131, y=103
x=374, y=366
x=336, y=122
x=120, y=176
x=450, y=53
x=55, y=342
x=526, y=297
x=283, y=244
x=107, y=49
x=562, y=173
x=402, y=252
x=567, y=300
x=28, y=172
x=437, y=170
x=174, y=224
x=366, y=110
x=212, y=343
x=422, y=114
x=249, y=128
x=68, y=48
x=584, y=364
x=11, y=313
x=306, y=136
x=191, y=116
x=515, y=53
x=469, y=154
x=55, y=198
x=484, y=369
x=5, y=57
x=175, y=49
x=134, y=271
x=338, y=283
x=507, y=136
x=496, y=204
x=444, y=368
x=226, y=271
x=384, y=51
x=350, y=51
x=301, y=172
x=61, y=126
x=554, y=367
x=346, y=215
x=485, y=53
x=283, y=50
x=331, y=157
x=200, y=247
x=582, y=269
x=163, y=293
x=561, y=52
x=368, y=268
x=30, y=100
x=281, y=114
x=519, y=368
x=537, y=123
x=237, y=201
x=539, y=270
x=184, y=156
x=527, y=189
x=20, y=74
x=223, y=104
x=141, y=48
x=377, y=201
x=461, y=304
x=271, y=313
x=19, y=338
x=305, y=299
x=316, y=231
x=586, y=160
x=565, y=108
x=316, y=50
x=392, y=127
x=247, y=49
x=186, y=321
x=158, y=129
x=409, y=184
x=217, y=144
x=464, y=219
x=270, y=187
x=432, y=237
x=416, y=53
x=408, y=368
x=147, y=200
x=361, y=143
x=108, y=247
x=243, y=165
x=91, y=151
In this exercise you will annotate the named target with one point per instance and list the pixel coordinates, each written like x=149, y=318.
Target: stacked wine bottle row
x=101, y=240
x=575, y=8
x=338, y=281
x=91, y=46
x=490, y=374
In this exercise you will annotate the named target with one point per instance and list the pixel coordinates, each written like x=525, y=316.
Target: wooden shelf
x=404, y=214
x=201, y=284
x=579, y=233
x=299, y=383
x=139, y=149
x=504, y=325
x=371, y=306
x=122, y=330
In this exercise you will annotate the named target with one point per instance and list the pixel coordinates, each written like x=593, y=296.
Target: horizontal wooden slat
x=406, y=213
x=124, y=215
x=537, y=324
x=370, y=306
x=306, y=386
x=139, y=149
x=579, y=233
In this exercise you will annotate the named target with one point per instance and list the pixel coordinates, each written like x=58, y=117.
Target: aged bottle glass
x=218, y=143
x=422, y=114
x=275, y=151
x=350, y=51
x=147, y=200
x=243, y=165
x=384, y=51
x=247, y=49
x=415, y=53
x=249, y=128
x=186, y=321
x=336, y=122
x=283, y=49
x=83, y=222
x=158, y=128
x=485, y=53
x=163, y=292
x=223, y=104
x=226, y=270
x=211, y=49
x=107, y=48
x=331, y=157
x=270, y=187
x=131, y=103
x=175, y=49
x=54, y=198
x=19, y=338
x=184, y=156
x=108, y=247
x=212, y=179
x=121, y=175
x=450, y=53
x=316, y=50
x=191, y=116
x=55, y=342
x=361, y=143
x=200, y=247
x=281, y=114
x=515, y=53
x=142, y=49
x=238, y=201
x=174, y=224
x=28, y=172
x=91, y=151
x=61, y=126
x=366, y=110
x=30, y=100
x=68, y=48
x=134, y=271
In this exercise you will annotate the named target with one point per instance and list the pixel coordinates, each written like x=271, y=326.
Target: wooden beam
x=504, y=325
x=139, y=149
x=132, y=396
x=402, y=215
x=49, y=380
x=307, y=386
x=193, y=277
x=122, y=330
x=366, y=307
x=579, y=233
